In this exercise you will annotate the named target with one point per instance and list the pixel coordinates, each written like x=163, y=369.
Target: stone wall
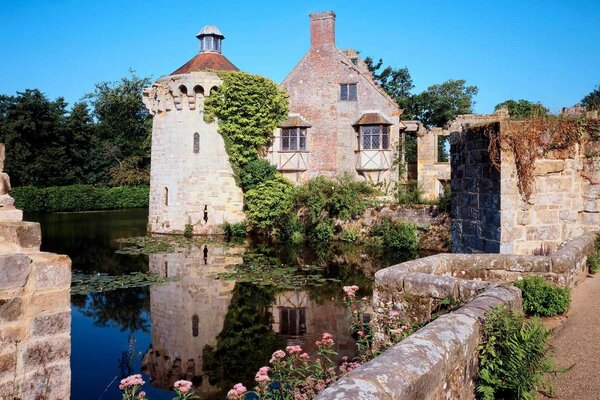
x=440, y=360
x=431, y=173
x=35, y=316
x=492, y=215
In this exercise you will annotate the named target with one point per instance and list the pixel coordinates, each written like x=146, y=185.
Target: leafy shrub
x=543, y=298
x=290, y=228
x=445, y=200
x=409, y=193
x=396, y=236
x=513, y=357
x=188, y=231
x=323, y=232
x=268, y=202
x=348, y=235
x=235, y=230
x=255, y=172
x=80, y=198
x=593, y=262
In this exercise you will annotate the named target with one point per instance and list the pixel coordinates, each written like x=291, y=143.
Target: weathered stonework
x=491, y=215
x=191, y=180
x=440, y=360
x=333, y=141
x=35, y=314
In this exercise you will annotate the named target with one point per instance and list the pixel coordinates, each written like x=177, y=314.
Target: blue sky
x=546, y=50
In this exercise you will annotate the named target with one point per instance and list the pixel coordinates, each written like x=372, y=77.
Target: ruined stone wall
x=314, y=94
x=440, y=360
x=35, y=316
x=431, y=174
x=490, y=213
x=475, y=188
x=188, y=187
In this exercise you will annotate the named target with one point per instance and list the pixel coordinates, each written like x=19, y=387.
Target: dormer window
x=348, y=92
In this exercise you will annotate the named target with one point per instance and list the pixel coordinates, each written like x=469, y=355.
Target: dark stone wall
x=475, y=187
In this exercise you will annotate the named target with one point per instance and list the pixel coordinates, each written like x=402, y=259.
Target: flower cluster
x=238, y=392
x=132, y=380
x=133, y=383
x=326, y=340
x=262, y=376
x=351, y=290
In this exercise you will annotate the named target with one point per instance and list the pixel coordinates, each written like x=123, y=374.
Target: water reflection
x=212, y=332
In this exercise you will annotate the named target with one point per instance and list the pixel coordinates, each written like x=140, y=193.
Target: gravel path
x=577, y=343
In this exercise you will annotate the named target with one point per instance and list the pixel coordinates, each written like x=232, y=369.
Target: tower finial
x=210, y=39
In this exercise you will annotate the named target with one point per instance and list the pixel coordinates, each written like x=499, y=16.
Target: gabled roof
x=206, y=61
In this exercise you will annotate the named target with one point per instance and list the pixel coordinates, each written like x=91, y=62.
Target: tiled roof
x=295, y=121
x=206, y=61
x=372, y=118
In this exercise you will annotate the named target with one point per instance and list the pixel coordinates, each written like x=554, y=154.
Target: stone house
x=191, y=181
x=340, y=120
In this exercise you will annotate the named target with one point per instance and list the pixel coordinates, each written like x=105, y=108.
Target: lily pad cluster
x=84, y=284
x=164, y=244
x=280, y=276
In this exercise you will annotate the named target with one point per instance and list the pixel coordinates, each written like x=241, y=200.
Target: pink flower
x=350, y=290
x=304, y=356
x=141, y=395
x=131, y=380
x=276, y=355
x=326, y=340
x=394, y=313
x=365, y=298
x=183, y=386
x=293, y=349
x=262, y=375
x=237, y=392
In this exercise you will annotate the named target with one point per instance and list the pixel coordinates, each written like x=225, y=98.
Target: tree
x=592, y=100
x=123, y=128
x=441, y=103
x=395, y=82
x=523, y=109
x=32, y=127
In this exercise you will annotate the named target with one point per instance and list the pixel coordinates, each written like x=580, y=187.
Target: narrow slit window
x=195, y=323
x=196, y=143
x=166, y=196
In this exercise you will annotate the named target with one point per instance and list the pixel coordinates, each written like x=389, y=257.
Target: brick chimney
x=322, y=29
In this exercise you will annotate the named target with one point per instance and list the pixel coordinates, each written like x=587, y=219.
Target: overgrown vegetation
x=532, y=139
x=79, y=198
x=398, y=237
x=541, y=298
x=593, y=260
x=523, y=109
x=513, y=357
x=248, y=108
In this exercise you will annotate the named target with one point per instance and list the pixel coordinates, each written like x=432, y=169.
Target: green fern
x=513, y=357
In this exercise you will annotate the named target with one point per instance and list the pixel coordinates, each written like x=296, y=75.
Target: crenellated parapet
x=180, y=92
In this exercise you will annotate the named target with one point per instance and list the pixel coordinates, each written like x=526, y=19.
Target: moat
x=214, y=332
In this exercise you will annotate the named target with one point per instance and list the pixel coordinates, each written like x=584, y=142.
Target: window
x=348, y=92
x=195, y=323
x=375, y=137
x=166, y=196
x=196, y=143
x=292, y=321
x=443, y=148
x=211, y=43
x=293, y=139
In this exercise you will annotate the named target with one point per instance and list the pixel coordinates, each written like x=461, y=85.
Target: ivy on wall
x=249, y=108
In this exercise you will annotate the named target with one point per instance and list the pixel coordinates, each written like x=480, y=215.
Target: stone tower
x=191, y=180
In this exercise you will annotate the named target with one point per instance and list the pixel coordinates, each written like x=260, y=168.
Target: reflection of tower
x=188, y=314
x=303, y=320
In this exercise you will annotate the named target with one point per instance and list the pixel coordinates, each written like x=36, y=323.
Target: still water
x=213, y=332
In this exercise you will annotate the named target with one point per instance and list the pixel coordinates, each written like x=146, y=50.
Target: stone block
x=27, y=235
x=519, y=263
x=46, y=351
x=439, y=287
x=51, y=324
x=11, y=309
x=51, y=271
x=14, y=270
x=51, y=301
x=11, y=215
x=544, y=167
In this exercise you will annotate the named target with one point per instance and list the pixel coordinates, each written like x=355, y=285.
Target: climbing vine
x=248, y=108
x=530, y=140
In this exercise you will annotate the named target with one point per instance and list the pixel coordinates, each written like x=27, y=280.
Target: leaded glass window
x=293, y=139
x=348, y=92
x=374, y=137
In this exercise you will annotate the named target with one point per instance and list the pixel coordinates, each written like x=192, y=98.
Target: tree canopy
x=523, y=109
x=435, y=106
x=102, y=140
x=592, y=100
